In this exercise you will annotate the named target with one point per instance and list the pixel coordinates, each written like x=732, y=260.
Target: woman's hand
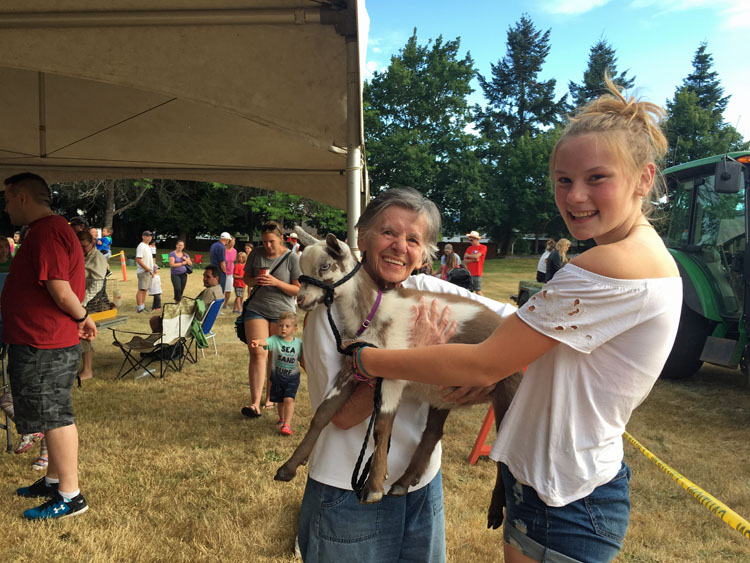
x=269, y=280
x=431, y=326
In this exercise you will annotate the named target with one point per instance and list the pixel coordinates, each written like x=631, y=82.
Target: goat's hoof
x=494, y=521
x=285, y=474
x=397, y=490
x=370, y=497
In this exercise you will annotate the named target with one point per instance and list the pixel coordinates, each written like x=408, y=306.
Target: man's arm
x=67, y=301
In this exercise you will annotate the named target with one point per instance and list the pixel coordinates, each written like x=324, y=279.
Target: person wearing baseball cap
x=144, y=270
x=474, y=260
x=218, y=256
x=78, y=223
x=294, y=241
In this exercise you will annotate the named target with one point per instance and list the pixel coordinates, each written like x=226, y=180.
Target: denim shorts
x=589, y=529
x=283, y=387
x=334, y=526
x=41, y=381
x=476, y=283
x=251, y=315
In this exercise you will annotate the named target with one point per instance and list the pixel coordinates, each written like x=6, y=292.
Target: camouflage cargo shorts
x=40, y=381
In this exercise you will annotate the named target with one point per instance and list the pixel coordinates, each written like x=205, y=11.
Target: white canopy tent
x=259, y=93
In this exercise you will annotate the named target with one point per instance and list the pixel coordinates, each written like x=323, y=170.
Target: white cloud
x=573, y=7
x=735, y=12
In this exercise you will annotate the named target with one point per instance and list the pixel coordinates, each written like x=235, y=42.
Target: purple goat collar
x=369, y=318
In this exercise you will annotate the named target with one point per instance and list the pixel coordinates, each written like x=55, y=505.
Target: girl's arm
x=512, y=346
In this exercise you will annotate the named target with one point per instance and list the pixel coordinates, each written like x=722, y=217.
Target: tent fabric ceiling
x=251, y=93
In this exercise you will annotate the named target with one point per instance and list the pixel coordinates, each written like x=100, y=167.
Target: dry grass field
x=173, y=472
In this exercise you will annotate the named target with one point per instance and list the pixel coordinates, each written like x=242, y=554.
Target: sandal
x=269, y=406
x=250, y=412
x=285, y=430
x=27, y=441
x=40, y=463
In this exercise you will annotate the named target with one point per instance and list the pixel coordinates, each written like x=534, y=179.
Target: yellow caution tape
x=714, y=505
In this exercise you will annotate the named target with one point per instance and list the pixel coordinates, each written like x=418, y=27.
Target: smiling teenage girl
x=594, y=340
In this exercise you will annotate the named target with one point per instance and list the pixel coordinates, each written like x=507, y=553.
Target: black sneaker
x=57, y=508
x=39, y=488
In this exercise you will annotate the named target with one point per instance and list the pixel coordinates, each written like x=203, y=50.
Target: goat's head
x=328, y=260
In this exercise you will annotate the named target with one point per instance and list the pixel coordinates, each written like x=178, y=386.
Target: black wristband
x=82, y=318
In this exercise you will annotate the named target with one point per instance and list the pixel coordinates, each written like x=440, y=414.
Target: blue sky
x=655, y=39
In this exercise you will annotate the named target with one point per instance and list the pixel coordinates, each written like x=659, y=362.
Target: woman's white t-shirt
x=563, y=432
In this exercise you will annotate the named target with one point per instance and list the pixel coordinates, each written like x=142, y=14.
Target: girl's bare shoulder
x=637, y=257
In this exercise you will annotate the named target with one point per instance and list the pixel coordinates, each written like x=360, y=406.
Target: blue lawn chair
x=207, y=323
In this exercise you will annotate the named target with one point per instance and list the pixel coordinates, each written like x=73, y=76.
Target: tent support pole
x=42, y=92
x=354, y=144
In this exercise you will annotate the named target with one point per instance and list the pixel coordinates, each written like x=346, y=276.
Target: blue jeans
x=334, y=526
x=590, y=529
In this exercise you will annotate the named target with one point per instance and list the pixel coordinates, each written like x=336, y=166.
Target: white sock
x=67, y=497
x=50, y=481
x=141, y=307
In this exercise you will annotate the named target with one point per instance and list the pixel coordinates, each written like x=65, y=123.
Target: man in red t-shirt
x=43, y=321
x=474, y=260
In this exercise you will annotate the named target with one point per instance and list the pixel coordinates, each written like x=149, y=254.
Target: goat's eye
x=324, y=267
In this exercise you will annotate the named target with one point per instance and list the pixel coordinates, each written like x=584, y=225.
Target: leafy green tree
x=602, y=59
x=524, y=173
x=416, y=115
x=517, y=101
x=704, y=82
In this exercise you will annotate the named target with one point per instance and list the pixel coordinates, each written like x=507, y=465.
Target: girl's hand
x=431, y=326
x=468, y=395
x=255, y=344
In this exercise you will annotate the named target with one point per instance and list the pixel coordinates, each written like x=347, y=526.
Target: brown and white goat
x=329, y=261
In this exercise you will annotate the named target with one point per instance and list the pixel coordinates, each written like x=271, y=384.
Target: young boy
x=286, y=353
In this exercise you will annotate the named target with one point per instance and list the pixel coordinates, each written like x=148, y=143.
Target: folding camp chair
x=165, y=260
x=201, y=330
x=207, y=323
x=167, y=347
x=198, y=260
x=5, y=387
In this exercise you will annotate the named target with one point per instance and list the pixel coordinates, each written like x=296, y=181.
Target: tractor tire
x=684, y=359
x=523, y=297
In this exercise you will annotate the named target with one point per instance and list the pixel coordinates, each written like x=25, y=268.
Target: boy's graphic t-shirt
x=285, y=356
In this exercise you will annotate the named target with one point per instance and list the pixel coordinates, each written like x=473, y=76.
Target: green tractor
x=707, y=238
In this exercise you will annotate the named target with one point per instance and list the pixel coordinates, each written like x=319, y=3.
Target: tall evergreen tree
x=517, y=101
x=416, y=114
x=602, y=59
x=518, y=127
x=705, y=82
x=695, y=125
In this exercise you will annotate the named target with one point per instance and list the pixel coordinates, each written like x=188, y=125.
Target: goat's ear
x=304, y=237
x=333, y=246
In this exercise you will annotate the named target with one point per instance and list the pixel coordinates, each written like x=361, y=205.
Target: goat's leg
x=391, y=392
x=335, y=399
x=372, y=491
x=501, y=399
x=430, y=437
x=495, y=513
